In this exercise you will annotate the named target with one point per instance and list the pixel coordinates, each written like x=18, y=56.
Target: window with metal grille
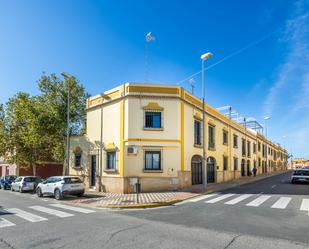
x=235, y=163
x=225, y=137
x=225, y=162
x=153, y=119
x=235, y=141
x=211, y=137
x=243, y=147
x=197, y=132
x=77, y=159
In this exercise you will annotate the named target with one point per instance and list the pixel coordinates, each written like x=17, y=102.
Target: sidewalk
x=147, y=200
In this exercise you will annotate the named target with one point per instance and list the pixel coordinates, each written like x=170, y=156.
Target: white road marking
x=25, y=215
x=52, y=211
x=220, y=198
x=273, y=186
x=282, y=202
x=5, y=223
x=77, y=209
x=238, y=199
x=203, y=197
x=304, y=205
x=258, y=201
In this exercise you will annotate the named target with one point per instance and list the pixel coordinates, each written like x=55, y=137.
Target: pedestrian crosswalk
x=255, y=200
x=39, y=213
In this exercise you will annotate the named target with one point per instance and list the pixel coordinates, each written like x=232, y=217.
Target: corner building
x=154, y=133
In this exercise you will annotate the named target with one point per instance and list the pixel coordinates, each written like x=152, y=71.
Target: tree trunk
x=34, y=169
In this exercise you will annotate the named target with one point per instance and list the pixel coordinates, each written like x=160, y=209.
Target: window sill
x=110, y=171
x=225, y=144
x=152, y=171
x=235, y=147
x=153, y=129
x=198, y=146
x=212, y=148
x=78, y=168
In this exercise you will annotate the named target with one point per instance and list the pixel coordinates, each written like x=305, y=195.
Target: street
x=269, y=213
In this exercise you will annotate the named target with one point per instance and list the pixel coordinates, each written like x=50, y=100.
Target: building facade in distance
x=154, y=133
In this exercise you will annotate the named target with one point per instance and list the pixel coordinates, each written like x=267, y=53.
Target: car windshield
x=301, y=173
x=18, y=179
x=30, y=179
x=10, y=178
x=72, y=180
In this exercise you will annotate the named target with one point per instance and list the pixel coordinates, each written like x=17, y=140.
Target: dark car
x=300, y=175
x=6, y=181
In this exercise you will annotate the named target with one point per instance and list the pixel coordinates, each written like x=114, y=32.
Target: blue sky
x=103, y=44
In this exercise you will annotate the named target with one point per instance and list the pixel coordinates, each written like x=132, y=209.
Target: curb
x=146, y=205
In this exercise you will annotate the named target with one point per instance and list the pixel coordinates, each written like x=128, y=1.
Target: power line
x=252, y=44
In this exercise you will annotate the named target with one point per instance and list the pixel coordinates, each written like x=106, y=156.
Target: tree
x=34, y=127
x=2, y=131
x=53, y=100
x=27, y=143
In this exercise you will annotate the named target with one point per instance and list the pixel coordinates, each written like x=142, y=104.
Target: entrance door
x=93, y=170
x=211, y=170
x=248, y=168
x=196, y=170
x=243, y=167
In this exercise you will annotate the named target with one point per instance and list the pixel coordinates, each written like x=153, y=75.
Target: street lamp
x=68, y=77
x=204, y=57
x=265, y=121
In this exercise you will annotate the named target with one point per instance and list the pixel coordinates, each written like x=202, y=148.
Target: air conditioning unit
x=132, y=150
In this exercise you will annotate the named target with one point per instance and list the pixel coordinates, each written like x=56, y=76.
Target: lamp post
x=204, y=57
x=68, y=77
x=265, y=121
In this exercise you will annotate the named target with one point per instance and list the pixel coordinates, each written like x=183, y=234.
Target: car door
x=15, y=184
x=46, y=185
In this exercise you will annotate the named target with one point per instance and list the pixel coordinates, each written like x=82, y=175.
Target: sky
x=260, y=63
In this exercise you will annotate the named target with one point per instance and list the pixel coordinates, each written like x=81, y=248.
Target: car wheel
x=293, y=181
x=58, y=195
x=39, y=192
x=80, y=195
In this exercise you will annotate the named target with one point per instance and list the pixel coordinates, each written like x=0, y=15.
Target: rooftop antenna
x=149, y=38
x=191, y=82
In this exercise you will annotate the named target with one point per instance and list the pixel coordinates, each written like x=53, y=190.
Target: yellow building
x=154, y=133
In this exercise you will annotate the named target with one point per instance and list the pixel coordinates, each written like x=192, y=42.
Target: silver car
x=25, y=183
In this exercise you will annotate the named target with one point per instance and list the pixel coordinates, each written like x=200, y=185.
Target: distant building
x=44, y=170
x=154, y=133
x=6, y=168
x=300, y=163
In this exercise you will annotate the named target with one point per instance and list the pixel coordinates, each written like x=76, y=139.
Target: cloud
x=288, y=96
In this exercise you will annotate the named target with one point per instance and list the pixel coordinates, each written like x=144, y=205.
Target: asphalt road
x=29, y=222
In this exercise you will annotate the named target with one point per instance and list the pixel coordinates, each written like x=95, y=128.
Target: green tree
x=53, y=101
x=2, y=131
x=26, y=141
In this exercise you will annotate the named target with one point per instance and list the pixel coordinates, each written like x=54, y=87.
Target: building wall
x=123, y=111
x=7, y=169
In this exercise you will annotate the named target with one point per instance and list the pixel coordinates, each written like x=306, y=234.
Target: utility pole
x=204, y=168
x=68, y=79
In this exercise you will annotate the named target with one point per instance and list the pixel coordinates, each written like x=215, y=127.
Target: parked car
x=59, y=186
x=6, y=181
x=25, y=183
x=300, y=175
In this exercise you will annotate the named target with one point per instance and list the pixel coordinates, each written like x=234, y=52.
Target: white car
x=300, y=175
x=25, y=183
x=60, y=186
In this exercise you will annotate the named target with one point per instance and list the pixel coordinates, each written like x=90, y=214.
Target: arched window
x=77, y=157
